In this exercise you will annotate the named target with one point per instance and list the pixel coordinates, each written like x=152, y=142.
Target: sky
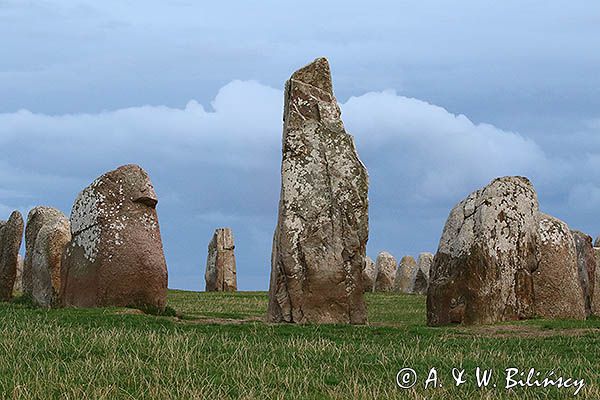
x=441, y=97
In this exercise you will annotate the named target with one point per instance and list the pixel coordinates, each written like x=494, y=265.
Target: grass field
x=218, y=347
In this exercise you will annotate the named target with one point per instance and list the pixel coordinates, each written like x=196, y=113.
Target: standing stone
x=385, y=272
x=424, y=263
x=115, y=257
x=496, y=254
x=406, y=275
x=596, y=297
x=322, y=230
x=37, y=217
x=586, y=266
x=18, y=287
x=11, y=235
x=220, y=273
x=50, y=244
x=597, y=242
x=556, y=285
x=369, y=275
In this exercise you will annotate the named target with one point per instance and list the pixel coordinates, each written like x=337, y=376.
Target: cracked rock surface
x=115, y=256
x=220, y=273
x=499, y=259
x=320, y=240
x=11, y=235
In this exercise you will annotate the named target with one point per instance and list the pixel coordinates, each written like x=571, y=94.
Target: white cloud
x=436, y=155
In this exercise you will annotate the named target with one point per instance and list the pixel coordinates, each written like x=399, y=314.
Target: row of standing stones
x=109, y=253
x=408, y=276
x=383, y=275
x=499, y=257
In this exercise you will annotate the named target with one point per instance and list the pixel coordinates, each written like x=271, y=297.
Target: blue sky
x=441, y=99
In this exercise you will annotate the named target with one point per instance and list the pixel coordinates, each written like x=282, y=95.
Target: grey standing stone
x=11, y=235
x=497, y=252
x=220, y=273
x=596, y=296
x=385, y=272
x=320, y=240
x=369, y=275
x=556, y=285
x=586, y=266
x=18, y=287
x=37, y=217
x=50, y=245
x=406, y=275
x=424, y=263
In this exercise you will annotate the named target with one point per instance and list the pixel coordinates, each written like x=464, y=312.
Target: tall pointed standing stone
x=320, y=240
x=220, y=273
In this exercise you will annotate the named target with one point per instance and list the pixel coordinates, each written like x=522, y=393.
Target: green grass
x=218, y=347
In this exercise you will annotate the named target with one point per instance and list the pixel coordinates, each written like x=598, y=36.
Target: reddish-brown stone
x=115, y=257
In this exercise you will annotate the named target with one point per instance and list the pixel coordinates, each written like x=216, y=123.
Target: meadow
x=217, y=346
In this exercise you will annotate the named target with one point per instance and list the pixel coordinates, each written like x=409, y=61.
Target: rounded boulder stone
x=115, y=256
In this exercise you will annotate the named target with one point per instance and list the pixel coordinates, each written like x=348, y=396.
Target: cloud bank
x=218, y=165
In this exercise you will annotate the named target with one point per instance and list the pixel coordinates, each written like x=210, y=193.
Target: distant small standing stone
x=424, y=263
x=406, y=275
x=220, y=273
x=385, y=267
x=369, y=275
x=586, y=265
